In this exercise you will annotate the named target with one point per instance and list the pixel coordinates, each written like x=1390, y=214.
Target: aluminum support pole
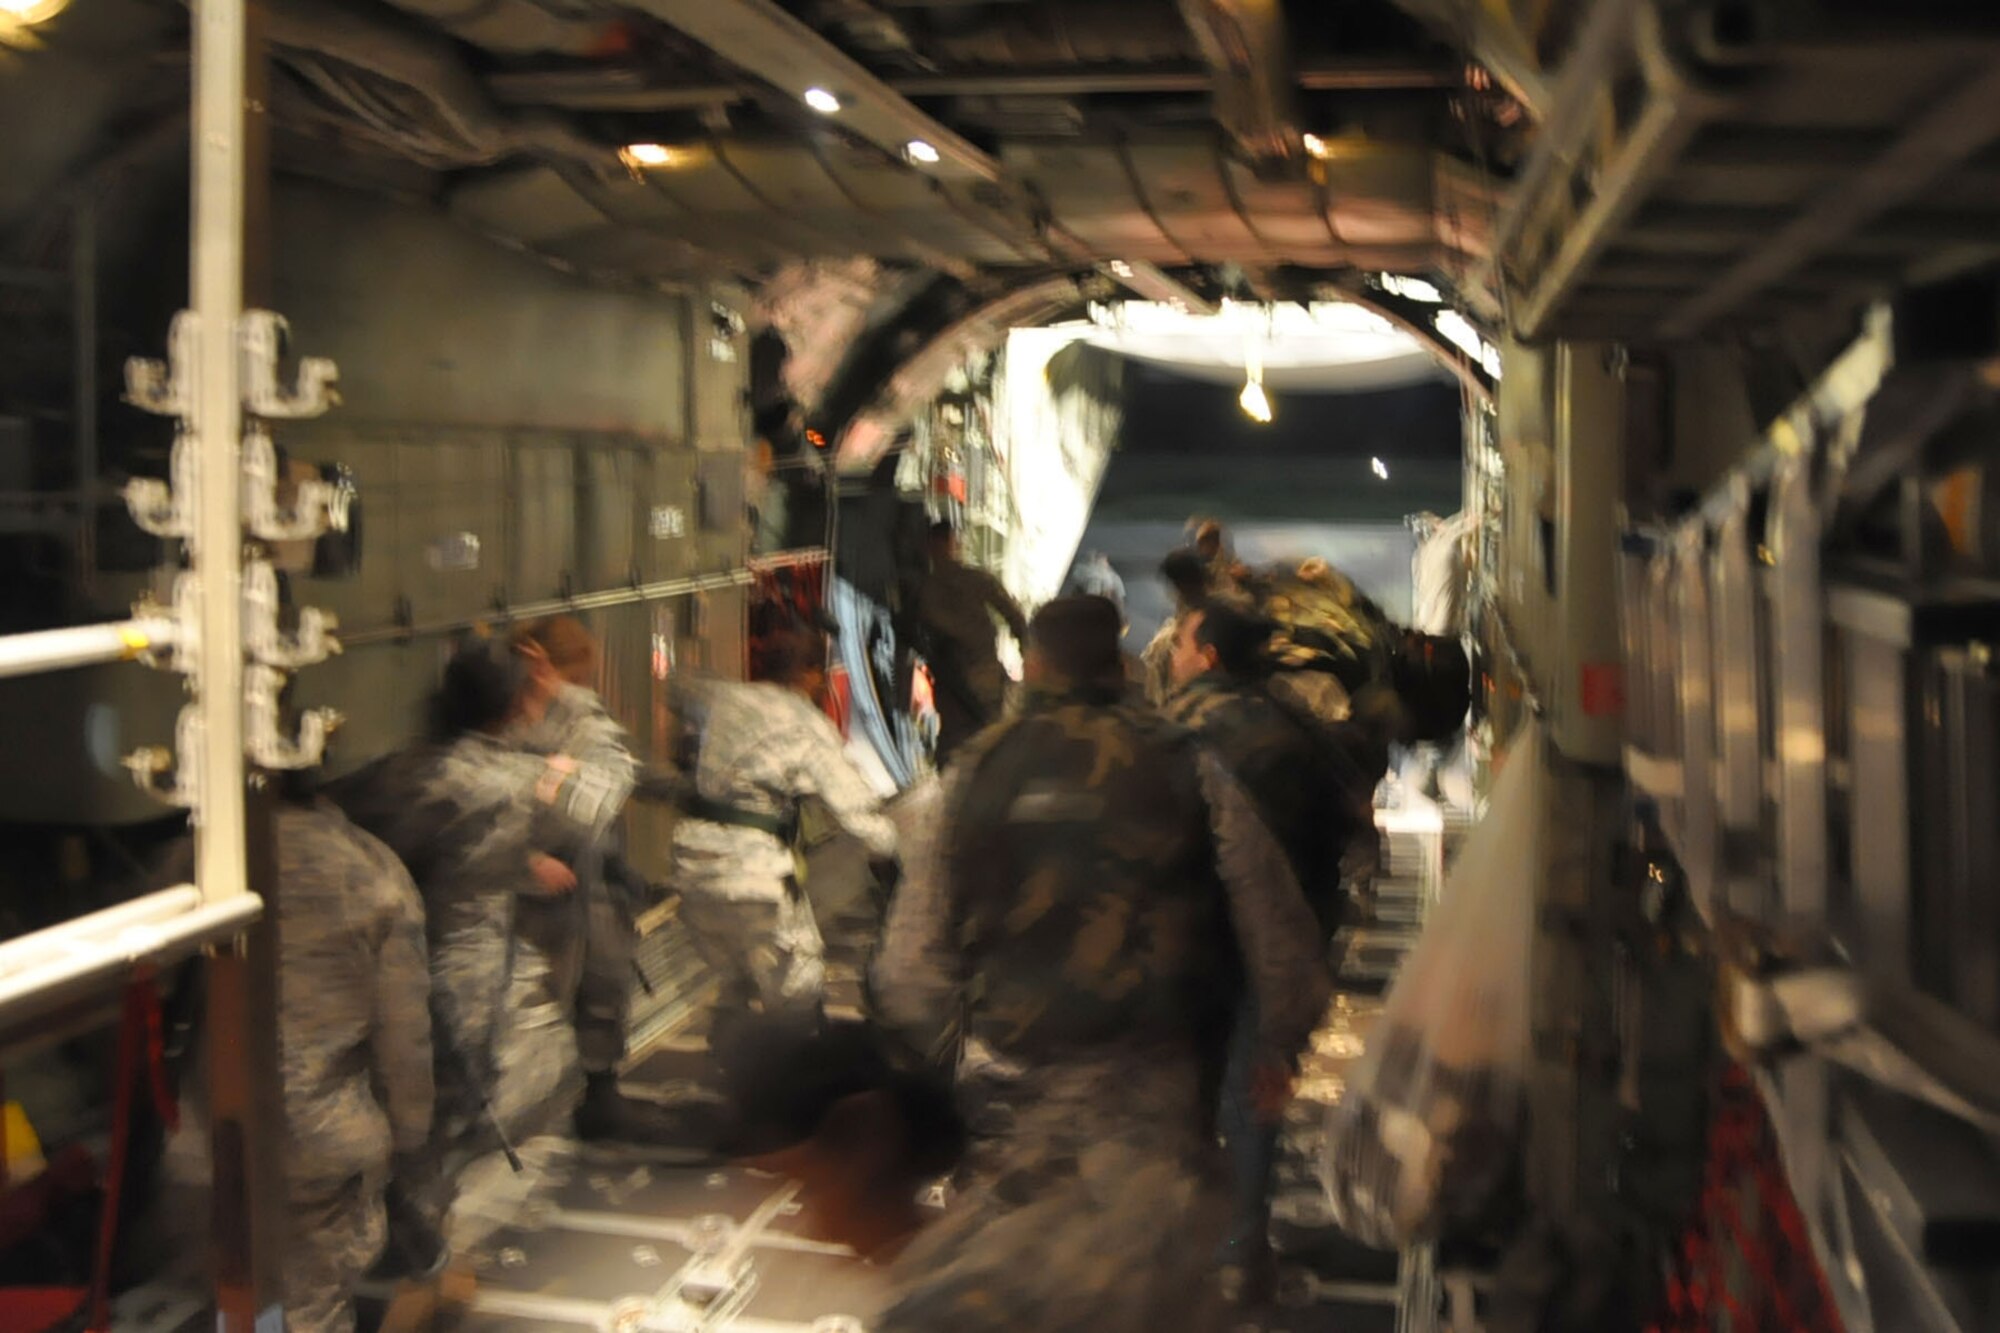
x=86, y=645
x=245, y=1100
x=216, y=539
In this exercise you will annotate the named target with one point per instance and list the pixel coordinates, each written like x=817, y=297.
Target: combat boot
x=611, y=1115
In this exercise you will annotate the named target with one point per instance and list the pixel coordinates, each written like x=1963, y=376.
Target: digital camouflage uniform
x=958, y=604
x=355, y=1036
x=763, y=748
x=1075, y=929
x=465, y=816
x=577, y=723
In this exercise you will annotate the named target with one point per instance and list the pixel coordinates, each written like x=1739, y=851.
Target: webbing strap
x=140, y=1036
x=782, y=827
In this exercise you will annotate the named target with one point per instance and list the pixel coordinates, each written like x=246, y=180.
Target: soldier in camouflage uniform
x=484, y=828
x=354, y=1013
x=1312, y=796
x=1188, y=577
x=762, y=749
x=564, y=661
x=1077, y=940
x=958, y=604
x=355, y=1038
x=1199, y=575
x=1220, y=676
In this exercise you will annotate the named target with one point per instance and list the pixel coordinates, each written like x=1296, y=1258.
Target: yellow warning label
x=24, y=1147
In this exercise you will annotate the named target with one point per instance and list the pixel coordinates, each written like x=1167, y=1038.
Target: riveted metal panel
x=626, y=679
x=720, y=512
x=451, y=535
x=367, y=597
x=542, y=536
x=668, y=538
x=720, y=368
x=430, y=322
x=380, y=690
x=610, y=506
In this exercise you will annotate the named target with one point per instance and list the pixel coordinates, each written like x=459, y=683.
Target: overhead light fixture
x=1316, y=146
x=1256, y=404
x=635, y=154
x=27, y=13
x=1121, y=269
x=822, y=101
x=1381, y=468
x=919, y=151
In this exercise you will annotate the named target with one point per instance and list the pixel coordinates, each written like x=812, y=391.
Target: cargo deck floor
x=610, y=1229
x=604, y=1230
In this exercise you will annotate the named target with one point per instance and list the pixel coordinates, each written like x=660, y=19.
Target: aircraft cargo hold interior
x=868, y=666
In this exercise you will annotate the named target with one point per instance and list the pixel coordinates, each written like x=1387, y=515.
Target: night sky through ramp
x=1303, y=485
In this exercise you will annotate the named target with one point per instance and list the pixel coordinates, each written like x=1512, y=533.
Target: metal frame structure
x=71, y=513
x=200, y=636
x=1783, y=724
x=222, y=634
x=1690, y=173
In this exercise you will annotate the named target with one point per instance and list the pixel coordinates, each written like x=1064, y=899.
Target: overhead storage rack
x=1728, y=166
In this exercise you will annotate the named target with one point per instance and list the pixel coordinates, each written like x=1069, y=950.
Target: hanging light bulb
x=28, y=13
x=640, y=155
x=1255, y=402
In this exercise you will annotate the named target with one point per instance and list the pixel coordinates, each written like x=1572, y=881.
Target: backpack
x=1325, y=624
x=1433, y=679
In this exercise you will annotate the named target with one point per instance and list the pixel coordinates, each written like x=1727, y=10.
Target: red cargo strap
x=140, y=1036
x=1765, y=1246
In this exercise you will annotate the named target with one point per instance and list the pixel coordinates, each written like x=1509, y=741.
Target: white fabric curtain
x=1056, y=439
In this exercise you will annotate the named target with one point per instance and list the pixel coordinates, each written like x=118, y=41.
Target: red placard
x=839, y=697
x=1603, y=689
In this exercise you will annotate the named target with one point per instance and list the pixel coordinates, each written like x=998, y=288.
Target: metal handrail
x=553, y=606
x=22, y=950
x=39, y=651
x=91, y=952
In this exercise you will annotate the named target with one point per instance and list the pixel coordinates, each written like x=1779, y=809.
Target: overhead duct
x=761, y=37
x=1496, y=41
x=427, y=66
x=1246, y=45
x=1067, y=36
x=518, y=27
